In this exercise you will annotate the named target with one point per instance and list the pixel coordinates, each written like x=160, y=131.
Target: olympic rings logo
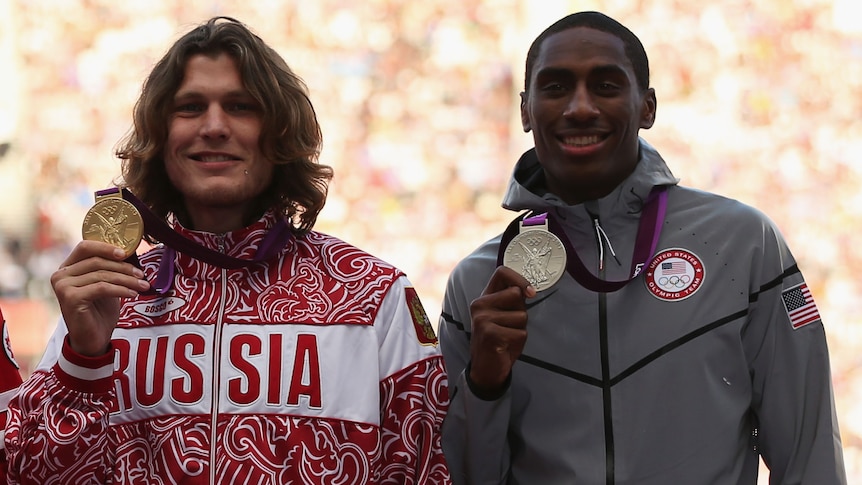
x=534, y=240
x=674, y=281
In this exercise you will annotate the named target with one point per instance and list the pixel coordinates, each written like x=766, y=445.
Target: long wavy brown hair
x=290, y=137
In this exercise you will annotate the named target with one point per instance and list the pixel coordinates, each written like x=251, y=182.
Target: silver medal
x=537, y=254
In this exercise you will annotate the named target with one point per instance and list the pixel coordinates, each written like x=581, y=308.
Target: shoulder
x=483, y=259
x=342, y=260
x=470, y=275
x=686, y=202
x=725, y=220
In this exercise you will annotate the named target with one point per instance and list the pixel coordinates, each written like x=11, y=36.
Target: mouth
x=212, y=157
x=582, y=141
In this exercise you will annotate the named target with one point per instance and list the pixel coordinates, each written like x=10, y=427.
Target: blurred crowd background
x=759, y=100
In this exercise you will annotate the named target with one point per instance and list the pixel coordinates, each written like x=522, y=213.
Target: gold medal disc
x=115, y=221
x=538, y=255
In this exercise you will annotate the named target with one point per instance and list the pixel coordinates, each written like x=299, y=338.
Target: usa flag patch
x=800, y=306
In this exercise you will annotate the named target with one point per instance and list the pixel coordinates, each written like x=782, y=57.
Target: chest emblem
x=674, y=274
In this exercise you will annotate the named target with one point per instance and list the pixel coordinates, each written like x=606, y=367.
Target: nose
x=215, y=123
x=581, y=105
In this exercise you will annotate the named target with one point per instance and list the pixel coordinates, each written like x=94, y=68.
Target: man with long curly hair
x=244, y=347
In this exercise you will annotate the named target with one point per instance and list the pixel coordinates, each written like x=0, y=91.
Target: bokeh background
x=759, y=100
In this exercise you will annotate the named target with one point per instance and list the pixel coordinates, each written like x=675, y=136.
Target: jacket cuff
x=483, y=395
x=83, y=373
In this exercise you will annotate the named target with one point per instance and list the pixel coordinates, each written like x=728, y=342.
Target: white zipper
x=217, y=336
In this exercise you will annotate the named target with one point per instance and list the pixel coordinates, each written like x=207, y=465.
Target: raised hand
x=499, y=320
x=88, y=286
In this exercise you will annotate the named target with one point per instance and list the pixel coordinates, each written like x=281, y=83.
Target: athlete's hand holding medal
x=95, y=275
x=530, y=261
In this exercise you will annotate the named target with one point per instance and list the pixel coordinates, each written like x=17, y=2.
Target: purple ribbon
x=157, y=228
x=649, y=230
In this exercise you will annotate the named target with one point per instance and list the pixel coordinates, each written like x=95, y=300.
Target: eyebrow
x=240, y=93
x=614, y=69
x=552, y=71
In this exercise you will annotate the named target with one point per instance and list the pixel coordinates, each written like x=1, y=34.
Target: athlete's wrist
x=485, y=392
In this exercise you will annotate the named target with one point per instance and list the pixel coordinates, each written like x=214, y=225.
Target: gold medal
x=537, y=254
x=114, y=220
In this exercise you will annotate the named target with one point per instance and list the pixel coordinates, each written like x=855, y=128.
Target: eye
x=607, y=88
x=189, y=108
x=553, y=88
x=241, y=106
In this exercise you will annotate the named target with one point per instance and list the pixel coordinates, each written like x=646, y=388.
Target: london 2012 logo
x=674, y=274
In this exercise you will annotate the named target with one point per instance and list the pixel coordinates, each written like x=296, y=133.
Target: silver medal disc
x=538, y=255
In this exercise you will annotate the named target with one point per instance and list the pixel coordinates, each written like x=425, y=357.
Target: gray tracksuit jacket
x=712, y=356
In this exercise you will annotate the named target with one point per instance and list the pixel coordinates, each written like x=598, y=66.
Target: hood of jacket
x=526, y=190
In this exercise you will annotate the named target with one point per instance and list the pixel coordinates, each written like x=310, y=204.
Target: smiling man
x=625, y=329
x=244, y=347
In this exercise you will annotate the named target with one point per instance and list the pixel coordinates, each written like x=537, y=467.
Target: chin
x=220, y=196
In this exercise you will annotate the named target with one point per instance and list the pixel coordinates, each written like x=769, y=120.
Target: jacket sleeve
x=413, y=392
x=797, y=434
x=58, y=422
x=10, y=381
x=475, y=430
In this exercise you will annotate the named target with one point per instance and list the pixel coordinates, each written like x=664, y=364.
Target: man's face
x=585, y=109
x=212, y=153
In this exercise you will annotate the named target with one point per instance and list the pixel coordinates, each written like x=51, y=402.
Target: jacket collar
x=526, y=188
x=241, y=243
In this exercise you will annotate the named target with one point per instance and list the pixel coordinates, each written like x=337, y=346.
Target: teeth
x=581, y=140
x=215, y=158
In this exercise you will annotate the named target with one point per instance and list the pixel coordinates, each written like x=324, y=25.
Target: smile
x=213, y=158
x=582, y=141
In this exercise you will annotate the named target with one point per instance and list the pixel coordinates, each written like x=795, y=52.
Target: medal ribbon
x=277, y=237
x=649, y=230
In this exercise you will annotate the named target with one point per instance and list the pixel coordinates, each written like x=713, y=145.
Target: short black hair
x=595, y=20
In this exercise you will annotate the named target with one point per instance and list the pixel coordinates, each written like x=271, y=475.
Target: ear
x=525, y=117
x=648, y=109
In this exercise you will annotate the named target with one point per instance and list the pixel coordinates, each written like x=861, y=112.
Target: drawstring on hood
x=602, y=235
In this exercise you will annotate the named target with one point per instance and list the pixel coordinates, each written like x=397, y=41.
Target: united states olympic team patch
x=424, y=330
x=674, y=274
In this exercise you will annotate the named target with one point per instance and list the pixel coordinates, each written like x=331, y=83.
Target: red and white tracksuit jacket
x=316, y=367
